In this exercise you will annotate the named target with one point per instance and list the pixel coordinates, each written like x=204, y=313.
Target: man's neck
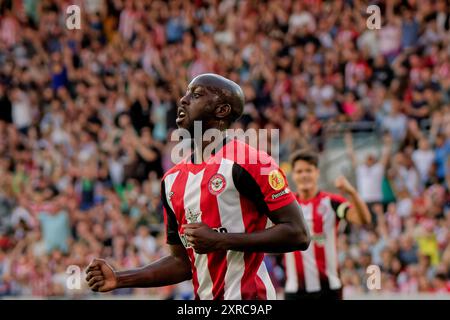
x=215, y=144
x=308, y=194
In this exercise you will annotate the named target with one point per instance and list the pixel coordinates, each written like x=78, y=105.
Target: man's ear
x=223, y=110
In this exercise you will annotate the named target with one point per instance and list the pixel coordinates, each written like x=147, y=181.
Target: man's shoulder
x=243, y=154
x=331, y=196
x=176, y=168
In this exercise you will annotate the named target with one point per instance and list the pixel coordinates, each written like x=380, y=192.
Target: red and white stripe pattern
x=310, y=270
x=222, y=274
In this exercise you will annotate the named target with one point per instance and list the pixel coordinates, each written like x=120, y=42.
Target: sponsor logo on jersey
x=318, y=238
x=221, y=230
x=279, y=194
x=187, y=245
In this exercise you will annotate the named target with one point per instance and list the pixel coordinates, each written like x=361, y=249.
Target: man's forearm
x=166, y=271
x=289, y=233
x=277, y=239
x=361, y=207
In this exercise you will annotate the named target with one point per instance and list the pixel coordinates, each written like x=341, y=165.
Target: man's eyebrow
x=198, y=88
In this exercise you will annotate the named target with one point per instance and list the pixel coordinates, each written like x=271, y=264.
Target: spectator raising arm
x=386, y=150
x=350, y=151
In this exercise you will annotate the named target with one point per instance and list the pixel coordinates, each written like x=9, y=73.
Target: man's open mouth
x=181, y=114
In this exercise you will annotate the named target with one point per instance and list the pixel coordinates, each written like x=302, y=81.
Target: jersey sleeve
x=340, y=205
x=264, y=183
x=170, y=220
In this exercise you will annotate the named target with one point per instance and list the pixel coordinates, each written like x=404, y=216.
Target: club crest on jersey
x=193, y=216
x=216, y=184
x=276, y=180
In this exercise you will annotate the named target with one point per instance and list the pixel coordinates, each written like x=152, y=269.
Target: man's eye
x=196, y=95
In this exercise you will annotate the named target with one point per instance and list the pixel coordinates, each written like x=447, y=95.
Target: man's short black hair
x=308, y=155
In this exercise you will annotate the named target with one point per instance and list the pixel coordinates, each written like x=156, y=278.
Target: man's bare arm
x=169, y=270
x=289, y=233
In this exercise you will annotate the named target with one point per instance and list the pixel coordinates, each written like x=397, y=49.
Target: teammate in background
x=216, y=211
x=313, y=274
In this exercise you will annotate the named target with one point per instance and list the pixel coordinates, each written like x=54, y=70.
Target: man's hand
x=101, y=276
x=202, y=238
x=344, y=185
x=358, y=213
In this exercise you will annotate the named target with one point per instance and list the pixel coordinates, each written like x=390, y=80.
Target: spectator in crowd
x=369, y=175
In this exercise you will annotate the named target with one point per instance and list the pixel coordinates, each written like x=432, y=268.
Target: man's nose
x=184, y=101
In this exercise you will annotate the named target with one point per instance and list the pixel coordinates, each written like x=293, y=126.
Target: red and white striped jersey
x=317, y=267
x=229, y=196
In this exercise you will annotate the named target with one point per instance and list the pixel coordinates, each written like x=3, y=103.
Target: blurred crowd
x=85, y=117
